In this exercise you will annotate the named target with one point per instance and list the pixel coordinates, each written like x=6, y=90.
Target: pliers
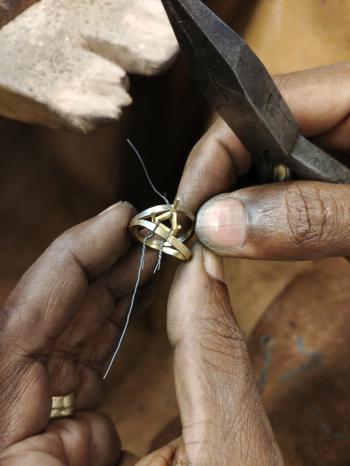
x=241, y=90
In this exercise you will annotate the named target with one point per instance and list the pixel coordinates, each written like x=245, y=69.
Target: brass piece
x=281, y=173
x=169, y=240
x=62, y=406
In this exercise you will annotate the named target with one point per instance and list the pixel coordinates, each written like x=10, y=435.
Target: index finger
x=213, y=166
x=49, y=295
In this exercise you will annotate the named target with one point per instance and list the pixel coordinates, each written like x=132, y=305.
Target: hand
x=296, y=220
x=223, y=421
x=58, y=328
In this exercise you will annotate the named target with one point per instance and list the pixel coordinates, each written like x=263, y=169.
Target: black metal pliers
x=240, y=89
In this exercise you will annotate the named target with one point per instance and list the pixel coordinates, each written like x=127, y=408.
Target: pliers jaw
x=233, y=80
x=241, y=90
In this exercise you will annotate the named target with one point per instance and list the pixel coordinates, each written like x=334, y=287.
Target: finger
x=320, y=101
x=87, y=438
x=298, y=220
x=319, y=98
x=127, y=459
x=223, y=420
x=50, y=294
x=162, y=457
x=41, y=307
x=337, y=139
x=213, y=166
x=78, y=367
x=94, y=354
x=106, y=295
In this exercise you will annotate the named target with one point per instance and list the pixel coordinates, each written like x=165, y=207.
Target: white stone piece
x=65, y=62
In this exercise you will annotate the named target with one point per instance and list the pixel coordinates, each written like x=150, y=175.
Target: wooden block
x=9, y=9
x=65, y=64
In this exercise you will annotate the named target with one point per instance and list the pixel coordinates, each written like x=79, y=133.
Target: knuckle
x=64, y=247
x=63, y=243
x=312, y=215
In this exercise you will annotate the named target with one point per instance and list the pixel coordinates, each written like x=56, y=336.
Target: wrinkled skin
x=296, y=220
x=59, y=325
x=72, y=301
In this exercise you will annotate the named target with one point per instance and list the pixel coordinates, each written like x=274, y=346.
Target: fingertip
x=222, y=224
x=214, y=266
x=119, y=206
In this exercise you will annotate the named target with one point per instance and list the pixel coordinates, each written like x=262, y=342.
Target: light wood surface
x=65, y=64
x=290, y=35
x=9, y=9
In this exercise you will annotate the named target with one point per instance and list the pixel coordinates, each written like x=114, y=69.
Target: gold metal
x=62, y=406
x=168, y=239
x=281, y=173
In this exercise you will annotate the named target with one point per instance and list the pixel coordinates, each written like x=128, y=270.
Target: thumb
x=220, y=408
x=298, y=220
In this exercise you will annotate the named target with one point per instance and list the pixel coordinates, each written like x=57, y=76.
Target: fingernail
x=108, y=209
x=214, y=266
x=221, y=223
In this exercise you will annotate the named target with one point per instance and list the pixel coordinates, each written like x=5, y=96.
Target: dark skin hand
x=58, y=327
x=60, y=324
x=296, y=220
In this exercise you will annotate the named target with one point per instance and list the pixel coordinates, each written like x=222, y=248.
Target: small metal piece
x=164, y=238
x=281, y=173
x=241, y=90
x=62, y=406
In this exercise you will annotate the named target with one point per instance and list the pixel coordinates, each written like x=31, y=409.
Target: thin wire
x=131, y=307
x=141, y=267
x=159, y=261
x=146, y=172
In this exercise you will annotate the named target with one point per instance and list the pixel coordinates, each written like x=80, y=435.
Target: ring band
x=170, y=244
x=162, y=237
x=62, y=406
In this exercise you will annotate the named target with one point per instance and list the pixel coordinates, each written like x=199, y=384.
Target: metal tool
x=241, y=90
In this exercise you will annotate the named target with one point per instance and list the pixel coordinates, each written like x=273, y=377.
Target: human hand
x=56, y=331
x=58, y=328
x=295, y=220
x=223, y=420
x=60, y=325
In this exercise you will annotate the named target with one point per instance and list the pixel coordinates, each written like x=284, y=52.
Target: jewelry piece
x=164, y=238
x=62, y=406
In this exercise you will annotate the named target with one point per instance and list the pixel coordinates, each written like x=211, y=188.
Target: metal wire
x=138, y=155
x=141, y=267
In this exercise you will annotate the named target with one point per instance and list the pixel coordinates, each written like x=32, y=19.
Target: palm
x=61, y=323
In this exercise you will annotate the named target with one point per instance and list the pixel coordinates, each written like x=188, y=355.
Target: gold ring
x=168, y=239
x=62, y=406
